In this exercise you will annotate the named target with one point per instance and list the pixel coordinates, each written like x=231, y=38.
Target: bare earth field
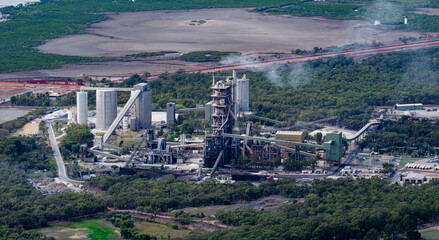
x=214, y=29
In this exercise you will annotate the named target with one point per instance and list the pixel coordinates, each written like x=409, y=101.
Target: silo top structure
x=82, y=107
x=106, y=108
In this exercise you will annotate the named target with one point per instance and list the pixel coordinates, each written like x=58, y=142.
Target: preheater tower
x=82, y=107
x=106, y=108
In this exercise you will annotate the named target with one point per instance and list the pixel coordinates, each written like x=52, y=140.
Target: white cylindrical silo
x=245, y=99
x=143, y=106
x=106, y=108
x=82, y=107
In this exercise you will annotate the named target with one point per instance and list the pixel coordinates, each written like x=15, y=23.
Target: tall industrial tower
x=143, y=106
x=224, y=110
x=82, y=107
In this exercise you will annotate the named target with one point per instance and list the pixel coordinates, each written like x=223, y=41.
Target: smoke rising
x=292, y=76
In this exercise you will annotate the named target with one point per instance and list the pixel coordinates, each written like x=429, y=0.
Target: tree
x=318, y=137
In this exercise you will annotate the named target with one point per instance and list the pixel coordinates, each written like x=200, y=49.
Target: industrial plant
x=223, y=140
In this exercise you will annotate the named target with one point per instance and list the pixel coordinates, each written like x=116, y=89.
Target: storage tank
x=106, y=108
x=82, y=107
x=143, y=106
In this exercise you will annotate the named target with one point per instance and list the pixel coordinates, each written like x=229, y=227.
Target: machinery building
x=82, y=107
x=409, y=107
x=292, y=136
x=106, y=108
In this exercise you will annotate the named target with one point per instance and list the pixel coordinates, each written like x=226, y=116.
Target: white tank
x=82, y=107
x=106, y=108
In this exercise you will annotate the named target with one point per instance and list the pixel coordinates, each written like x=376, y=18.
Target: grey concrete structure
x=106, y=108
x=143, y=106
x=170, y=113
x=82, y=107
x=243, y=94
x=208, y=111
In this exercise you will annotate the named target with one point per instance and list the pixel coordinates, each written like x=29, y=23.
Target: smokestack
x=213, y=78
x=235, y=95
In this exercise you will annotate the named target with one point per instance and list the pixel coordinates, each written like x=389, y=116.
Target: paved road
x=59, y=161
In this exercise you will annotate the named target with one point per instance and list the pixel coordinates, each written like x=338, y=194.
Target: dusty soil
x=222, y=29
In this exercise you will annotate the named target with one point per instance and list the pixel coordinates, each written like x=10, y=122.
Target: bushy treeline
x=339, y=209
x=43, y=100
x=405, y=137
x=138, y=192
x=22, y=206
x=28, y=152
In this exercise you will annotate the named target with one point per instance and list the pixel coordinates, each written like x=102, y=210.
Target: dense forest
x=339, y=209
x=417, y=138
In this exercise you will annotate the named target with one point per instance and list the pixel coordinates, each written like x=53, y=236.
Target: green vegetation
x=406, y=160
x=43, y=100
x=431, y=235
x=158, y=229
x=151, y=54
x=206, y=56
x=405, y=137
x=29, y=26
x=390, y=13
x=343, y=209
x=76, y=135
x=94, y=228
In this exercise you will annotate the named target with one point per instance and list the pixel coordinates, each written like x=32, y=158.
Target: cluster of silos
x=82, y=107
x=106, y=108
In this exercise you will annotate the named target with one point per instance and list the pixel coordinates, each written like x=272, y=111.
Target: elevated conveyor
x=363, y=130
x=135, y=94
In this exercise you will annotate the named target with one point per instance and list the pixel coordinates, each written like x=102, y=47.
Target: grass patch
x=432, y=235
x=95, y=229
x=160, y=230
x=205, y=56
x=151, y=54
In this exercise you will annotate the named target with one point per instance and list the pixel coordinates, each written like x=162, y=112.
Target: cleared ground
x=161, y=230
x=91, y=229
x=213, y=29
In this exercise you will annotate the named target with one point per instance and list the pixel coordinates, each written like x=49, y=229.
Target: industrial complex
x=223, y=140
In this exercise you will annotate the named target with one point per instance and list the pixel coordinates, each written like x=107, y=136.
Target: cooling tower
x=106, y=108
x=82, y=107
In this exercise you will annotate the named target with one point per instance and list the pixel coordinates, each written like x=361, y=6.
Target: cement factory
x=223, y=142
